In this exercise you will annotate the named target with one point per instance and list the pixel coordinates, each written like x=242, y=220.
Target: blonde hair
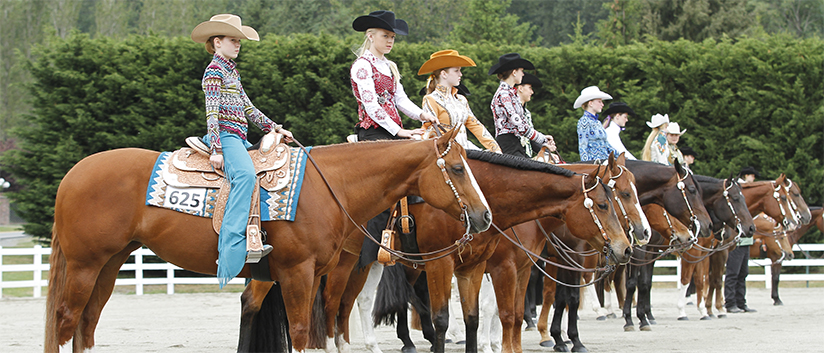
x=646, y=154
x=367, y=43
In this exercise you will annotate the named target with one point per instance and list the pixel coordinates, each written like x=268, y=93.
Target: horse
x=797, y=204
x=510, y=265
x=768, y=197
x=101, y=217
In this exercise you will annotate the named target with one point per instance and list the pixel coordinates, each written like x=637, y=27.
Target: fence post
x=170, y=280
x=138, y=272
x=678, y=273
x=1, y=272
x=38, y=272
x=768, y=275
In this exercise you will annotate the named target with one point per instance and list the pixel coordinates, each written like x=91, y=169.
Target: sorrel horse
x=768, y=197
x=518, y=190
x=670, y=187
x=101, y=217
x=510, y=265
x=775, y=233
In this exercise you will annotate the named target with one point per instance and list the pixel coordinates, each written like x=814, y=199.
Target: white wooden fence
x=40, y=266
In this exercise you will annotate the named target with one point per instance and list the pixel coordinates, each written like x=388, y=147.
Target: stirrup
x=197, y=144
x=254, y=256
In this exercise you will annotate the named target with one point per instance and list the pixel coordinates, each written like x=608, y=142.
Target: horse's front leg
x=439, y=278
x=776, y=274
x=368, y=281
x=631, y=280
x=574, y=278
x=343, y=279
x=549, y=298
x=299, y=286
x=469, y=285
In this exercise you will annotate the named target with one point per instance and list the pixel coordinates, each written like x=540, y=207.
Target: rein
x=458, y=245
x=611, y=184
x=777, y=196
x=793, y=206
x=671, y=248
x=732, y=210
x=682, y=187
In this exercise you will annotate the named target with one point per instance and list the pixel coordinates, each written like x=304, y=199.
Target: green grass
x=11, y=228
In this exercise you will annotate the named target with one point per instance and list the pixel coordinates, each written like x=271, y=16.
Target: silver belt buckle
x=381, y=100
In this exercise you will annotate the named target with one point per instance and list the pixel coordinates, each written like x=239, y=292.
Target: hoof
x=461, y=342
x=683, y=318
x=448, y=340
x=712, y=316
x=611, y=316
x=645, y=328
x=547, y=343
x=629, y=328
x=560, y=348
x=706, y=318
x=653, y=322
x=778, y=303
x=409, y=350
x=601, y=318
x=690, y=303
x=721, y=316
x=530, y=328
x=580, y=349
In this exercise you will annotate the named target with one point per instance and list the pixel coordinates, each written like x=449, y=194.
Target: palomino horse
x=101, y=217
x=513, y=185
x=510, y=265
x=768, y=197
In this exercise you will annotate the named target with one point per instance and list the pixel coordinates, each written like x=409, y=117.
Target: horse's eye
x=691, y=189
x=783, y=198
x=457, y=169
x=735, y=198
x=603, y=206
x=625, y=195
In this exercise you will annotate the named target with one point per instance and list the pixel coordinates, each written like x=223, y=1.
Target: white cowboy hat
x=223, y=25
x=674, y=129
x=658, y=120
x=588, y=94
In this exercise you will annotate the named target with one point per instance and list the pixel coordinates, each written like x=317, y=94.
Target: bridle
x=682, y=186
x=611, y=184
x=777, y=196
x=793, y=206
x=588, y=203
x=442, y=165
x=732, y=209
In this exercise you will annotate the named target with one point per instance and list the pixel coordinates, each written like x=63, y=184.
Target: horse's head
x=447, y=183
x=781, y=195
x=669, y=227
x=797, y=204
x=593, y=214
x=625, y=196
x=731, y=208
x=682, y=198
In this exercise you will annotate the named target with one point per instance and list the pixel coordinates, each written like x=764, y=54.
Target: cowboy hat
x=588, y=94
x=510, y=61
x=674, y=129
x=223, y=25
x=618, y=107
x=749, y=170
x=381, y=19
x=688, y=151
x=530, y=79
x=658, y=120
x=444, y=59
x=462, y=90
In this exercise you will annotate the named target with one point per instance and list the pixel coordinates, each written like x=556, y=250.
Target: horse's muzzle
x=479, y=221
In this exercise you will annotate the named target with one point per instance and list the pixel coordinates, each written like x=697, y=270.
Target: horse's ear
x=443, y=141
x=454, y=132
x=781, y=179
x=679, y=169
x=611, y=162
x=622, y=159
x=590, y=179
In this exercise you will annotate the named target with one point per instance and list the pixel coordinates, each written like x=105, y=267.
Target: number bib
x=189, y=199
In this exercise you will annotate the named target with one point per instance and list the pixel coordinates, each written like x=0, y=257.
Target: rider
x=443, y=99
x=674, y=133
x=655, y=149
x=507, y=112
x=228, y=113
x=617, y=116
x=735, y=279
x=525, y=90
x=592, y=138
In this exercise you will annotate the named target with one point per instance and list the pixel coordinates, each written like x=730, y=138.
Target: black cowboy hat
x=688, y=151
x=510, y=61
x=620, y=107
x=462, y=90
x=747, y=170
x=381, y=19
x=530, y=79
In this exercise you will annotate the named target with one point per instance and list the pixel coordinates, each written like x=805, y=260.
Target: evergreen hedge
x=752, y=101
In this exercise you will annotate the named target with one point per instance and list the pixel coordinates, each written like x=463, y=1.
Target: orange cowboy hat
x=443, y=59
x=223, y=25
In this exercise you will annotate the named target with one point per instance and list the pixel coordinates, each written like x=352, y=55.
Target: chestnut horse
x=101, y=217
x=670, y=187
x=769, y=197
x=512, y=185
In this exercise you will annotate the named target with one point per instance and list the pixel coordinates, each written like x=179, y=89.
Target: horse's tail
x=57, y=284
x=317, y=331
x=394, y=292
x=270, y=327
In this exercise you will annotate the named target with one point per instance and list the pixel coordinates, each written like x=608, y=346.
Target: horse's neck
x=651, y=186
x=519, y=196
x=369, y=178
x=756, y=197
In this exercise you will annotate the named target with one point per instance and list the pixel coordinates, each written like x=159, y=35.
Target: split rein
x=456, y=246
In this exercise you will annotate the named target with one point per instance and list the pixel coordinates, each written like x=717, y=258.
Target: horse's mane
x=516, y=162
x=706, y=179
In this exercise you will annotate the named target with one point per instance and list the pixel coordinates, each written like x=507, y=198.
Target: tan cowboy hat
x=588, y=94
x=223, y=25
x=443, y=59
x=658, y=120
x=674, y=129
